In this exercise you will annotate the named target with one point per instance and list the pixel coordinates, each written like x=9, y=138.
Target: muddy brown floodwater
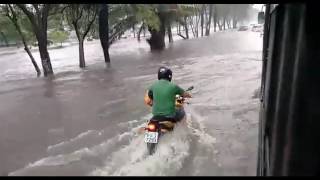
x=84, y=122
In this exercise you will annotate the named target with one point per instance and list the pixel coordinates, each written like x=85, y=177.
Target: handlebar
x=182, y=99
x=190, y=88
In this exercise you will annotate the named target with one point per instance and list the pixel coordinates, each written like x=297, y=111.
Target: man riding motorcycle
x=162, y=97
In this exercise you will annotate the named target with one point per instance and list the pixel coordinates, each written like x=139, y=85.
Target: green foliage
x=56, y=22
x=58, y=36
x=81, y=17
x=26, y=28
x=147, y=14
x=185, y=10
x=8, y=30
x=94, y=31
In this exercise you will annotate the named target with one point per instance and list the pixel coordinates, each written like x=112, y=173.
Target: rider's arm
x=182, y=92
x=150, y=94
x=148, y=97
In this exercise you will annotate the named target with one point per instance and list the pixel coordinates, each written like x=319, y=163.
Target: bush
x=59, y=36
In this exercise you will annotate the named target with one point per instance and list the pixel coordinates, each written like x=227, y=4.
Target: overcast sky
x=258, y=6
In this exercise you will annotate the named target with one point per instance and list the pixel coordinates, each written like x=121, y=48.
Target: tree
x=203, y=6
x=194, y=19
x=171, y=16
x=157, y=30
x=208, y=25
x=94, y=30
x=158, y=18
x=59, y=36
x=156, y=41
x=169, y=32
x=215, y=18
x=186, y=27
x=114, y=20
x=81, y=17
x=56, y=28
x=57, y=21
x=13, y=14
x=7, y=29
x=224, y=13
x=142, y=28
x=3, y=36
x=38, y=17
x=185, y=12
x=104, y=31
x=239, y=12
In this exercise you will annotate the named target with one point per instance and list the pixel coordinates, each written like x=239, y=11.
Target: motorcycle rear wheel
x=151, y=148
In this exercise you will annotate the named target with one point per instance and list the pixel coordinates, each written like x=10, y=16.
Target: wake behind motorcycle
x=158, y=126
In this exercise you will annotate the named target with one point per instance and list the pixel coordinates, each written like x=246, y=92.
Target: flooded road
x=85, y=122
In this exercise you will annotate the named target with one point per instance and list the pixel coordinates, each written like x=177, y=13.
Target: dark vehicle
x=243, y=28
x=290, y=100
x=257, y=28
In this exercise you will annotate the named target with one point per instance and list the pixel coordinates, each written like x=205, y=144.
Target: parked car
x=243, y=28
x=257, y=28
x=251, y=26
x=49, y=42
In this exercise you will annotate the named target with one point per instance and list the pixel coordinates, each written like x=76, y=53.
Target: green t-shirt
x=164, y=95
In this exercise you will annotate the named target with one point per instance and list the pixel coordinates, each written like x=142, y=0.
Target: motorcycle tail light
x=151, y=127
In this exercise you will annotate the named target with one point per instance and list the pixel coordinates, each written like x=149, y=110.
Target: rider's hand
x=187, y=95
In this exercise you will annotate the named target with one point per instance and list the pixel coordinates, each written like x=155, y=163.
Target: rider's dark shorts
x=180, y=113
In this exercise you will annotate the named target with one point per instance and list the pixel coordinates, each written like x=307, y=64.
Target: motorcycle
x=156, y=128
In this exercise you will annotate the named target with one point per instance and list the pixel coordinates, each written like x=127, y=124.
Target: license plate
x=151, y=137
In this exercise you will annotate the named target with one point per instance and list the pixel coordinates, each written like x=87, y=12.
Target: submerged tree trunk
x=192, y=27
x=202, y=19
x=169, y=33
x=14, y=20
x=104, y=31
x=82, y=62
x=139, y=32
x=26, y=48
x=82, y=35
x=186, y=27
x=219, y=25
x=39, y=25
x=4, y=38
x=209, y=21
x=156, y=41
x=228, y=23
x=197, y=26
x=178, y=28
x=134, y=31
x=35, y=65
x=215, y=18
x=234, y=23
x=44, y=54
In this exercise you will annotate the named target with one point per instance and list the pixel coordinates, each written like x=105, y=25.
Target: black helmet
x=164, y=73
